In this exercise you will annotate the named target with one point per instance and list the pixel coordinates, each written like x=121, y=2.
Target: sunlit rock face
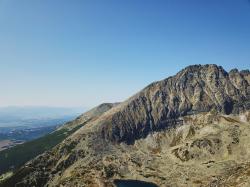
x=193, y=90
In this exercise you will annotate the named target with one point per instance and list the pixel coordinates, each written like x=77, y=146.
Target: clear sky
x=85, y=52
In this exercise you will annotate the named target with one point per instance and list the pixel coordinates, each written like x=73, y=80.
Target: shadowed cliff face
x=193, y=90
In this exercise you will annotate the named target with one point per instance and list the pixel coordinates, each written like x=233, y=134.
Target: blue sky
x=85, y=52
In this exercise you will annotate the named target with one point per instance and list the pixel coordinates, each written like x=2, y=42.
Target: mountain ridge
x=171, y=98
x=193, y=116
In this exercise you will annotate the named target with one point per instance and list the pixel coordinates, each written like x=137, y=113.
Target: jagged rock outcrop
x=198, y=88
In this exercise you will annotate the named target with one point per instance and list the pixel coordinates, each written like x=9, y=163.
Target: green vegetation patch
x=14, y=157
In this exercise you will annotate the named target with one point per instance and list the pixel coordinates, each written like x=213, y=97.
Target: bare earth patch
x=5, y=144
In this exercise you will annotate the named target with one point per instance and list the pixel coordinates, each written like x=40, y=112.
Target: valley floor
x=6, y=144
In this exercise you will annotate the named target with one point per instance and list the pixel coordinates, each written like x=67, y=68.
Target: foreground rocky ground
x=207, y=150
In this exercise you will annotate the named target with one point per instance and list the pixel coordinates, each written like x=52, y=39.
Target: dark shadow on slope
x=133, y=183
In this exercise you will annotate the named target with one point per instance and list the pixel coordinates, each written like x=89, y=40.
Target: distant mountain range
x=35, y=116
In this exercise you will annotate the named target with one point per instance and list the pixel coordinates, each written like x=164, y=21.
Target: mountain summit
x=198, y=88
x=193, y=122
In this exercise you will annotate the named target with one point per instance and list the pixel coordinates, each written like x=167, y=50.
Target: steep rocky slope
x=187, y=130
x=193, y=90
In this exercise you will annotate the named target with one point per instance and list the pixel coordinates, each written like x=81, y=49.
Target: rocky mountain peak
x=195, y=89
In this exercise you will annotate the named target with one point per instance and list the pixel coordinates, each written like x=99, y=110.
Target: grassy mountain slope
x=16, y=156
